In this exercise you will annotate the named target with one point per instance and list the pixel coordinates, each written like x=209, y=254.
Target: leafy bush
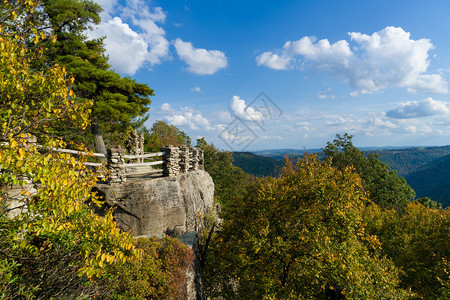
x=160, y=273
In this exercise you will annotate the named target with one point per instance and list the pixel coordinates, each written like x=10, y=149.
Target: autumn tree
x=383, y=185
x=51, y=230
x=162, y=134
x=300, y=236
x=160, y=274
x=416, y=240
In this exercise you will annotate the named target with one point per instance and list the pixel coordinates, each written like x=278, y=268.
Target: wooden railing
x=174, y=161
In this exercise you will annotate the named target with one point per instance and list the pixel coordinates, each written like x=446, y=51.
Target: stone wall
x=179, y=160
x=176, y=160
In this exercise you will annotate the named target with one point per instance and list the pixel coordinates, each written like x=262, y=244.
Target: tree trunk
x=98, y=142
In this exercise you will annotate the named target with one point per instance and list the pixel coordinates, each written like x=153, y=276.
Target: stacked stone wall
x=179, y=160
x=116, y=165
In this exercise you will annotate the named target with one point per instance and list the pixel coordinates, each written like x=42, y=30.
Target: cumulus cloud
x=419, y=109
x=273, y=61
x=200, y=61
x=130, y=49
x=166, y=107
x=121, y=41
x=240, y=110
x=367, y=63
x=188, y=117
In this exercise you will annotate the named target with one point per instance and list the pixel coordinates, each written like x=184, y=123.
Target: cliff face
x=167, y=205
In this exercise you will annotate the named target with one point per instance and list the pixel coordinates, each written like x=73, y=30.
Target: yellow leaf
x=21, y=153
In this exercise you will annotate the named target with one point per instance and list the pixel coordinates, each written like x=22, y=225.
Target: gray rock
x=167, y=205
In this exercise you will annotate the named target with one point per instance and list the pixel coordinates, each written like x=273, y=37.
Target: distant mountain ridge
x=426, y=169
x=433, y=180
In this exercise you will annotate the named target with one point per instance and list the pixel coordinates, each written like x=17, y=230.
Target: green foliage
x=427, y=202
x=160, y=274
x=300, y=236
x=383, y=185
x=34, y=101
x=417, y=241
x=162, y=134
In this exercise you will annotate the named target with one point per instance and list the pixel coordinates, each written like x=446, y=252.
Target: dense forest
x=340, y=226
x=424, y=168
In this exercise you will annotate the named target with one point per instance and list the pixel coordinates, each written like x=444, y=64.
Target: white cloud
x=240, y=110
x=273, y=61
x=122, y=41
x=188, y=117
x=196, y=89
x=165, y=107
x=418, y=109
x=200, y=61
x=387, y=58
x=306, y=126
x=130, y=49
x=271, y=137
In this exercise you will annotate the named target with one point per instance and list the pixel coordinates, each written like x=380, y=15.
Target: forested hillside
x=257, y=165
x=433, y=180
x=409, y=160
x=425, y=168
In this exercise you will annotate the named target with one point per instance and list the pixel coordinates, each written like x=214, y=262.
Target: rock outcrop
x=167, y=205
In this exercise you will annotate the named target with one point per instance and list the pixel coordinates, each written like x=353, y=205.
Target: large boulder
x=166, y=205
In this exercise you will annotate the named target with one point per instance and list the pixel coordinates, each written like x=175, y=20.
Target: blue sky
x=288, y=74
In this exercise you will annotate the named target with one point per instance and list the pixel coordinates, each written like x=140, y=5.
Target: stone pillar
x=171, y=161
x=201, y=160
x=184, y=159
x=194, y=161
x=135, y=145
x=116, y=165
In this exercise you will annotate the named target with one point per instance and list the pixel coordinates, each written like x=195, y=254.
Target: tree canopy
x=300, y=236
x=383, y=185
x=416, y=240
x=162, y=134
